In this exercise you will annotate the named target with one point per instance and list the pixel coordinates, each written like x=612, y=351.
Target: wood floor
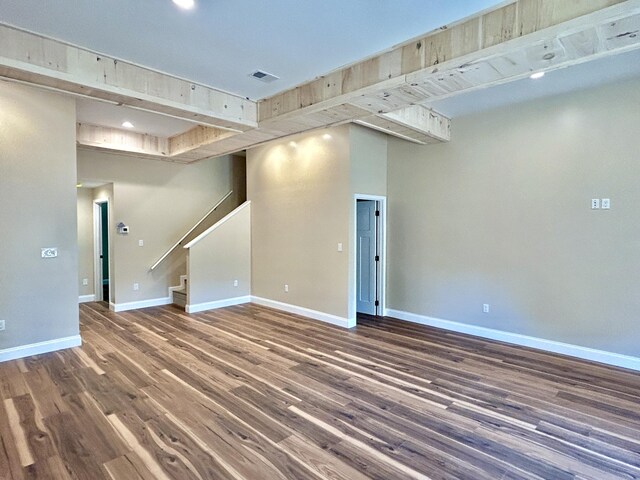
x=251, y=393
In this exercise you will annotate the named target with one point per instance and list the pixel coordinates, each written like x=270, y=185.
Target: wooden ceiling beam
x=195, y=138
x=416, y=124
x=49, y=63
x=389, y=92
x=490, y=48
x=118, y=140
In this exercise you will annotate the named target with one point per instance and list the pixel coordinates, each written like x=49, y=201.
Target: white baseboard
x=306, y=312
x=39, y=348
x=227, y=302
x=585, y=353
x=154, y=302
x=86, y=298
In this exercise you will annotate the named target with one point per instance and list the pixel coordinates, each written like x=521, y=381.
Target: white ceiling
x=95, y=112
x=221, y=42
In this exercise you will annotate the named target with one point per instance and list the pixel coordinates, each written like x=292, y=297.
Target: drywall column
x=300, y=200
x=38, y=296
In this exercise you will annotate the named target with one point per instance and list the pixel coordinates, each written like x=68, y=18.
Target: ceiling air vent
x=264, y=76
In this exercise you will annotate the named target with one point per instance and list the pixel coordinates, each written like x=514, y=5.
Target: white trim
x=585, y=353
x=305, y=312
x=218, y=224
x=154, y=302
x=86, y=298
x=39, y=348
x=227, y=302
x=383, y=253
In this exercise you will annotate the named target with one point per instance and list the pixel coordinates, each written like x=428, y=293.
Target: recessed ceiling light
x=326, y=136
x=537, y=75
x=186, y=4
x=293, y=144
x=127, y=124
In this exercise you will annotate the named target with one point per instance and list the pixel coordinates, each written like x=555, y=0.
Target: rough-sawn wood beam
x=487, y=49
x=490, y=48
x=42, y=61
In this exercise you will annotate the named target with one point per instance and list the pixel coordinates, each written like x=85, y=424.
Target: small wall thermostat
x=49, y=252
x=122, y=228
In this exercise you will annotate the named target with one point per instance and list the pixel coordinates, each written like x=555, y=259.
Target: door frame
x=97, y=239
x=382, y=248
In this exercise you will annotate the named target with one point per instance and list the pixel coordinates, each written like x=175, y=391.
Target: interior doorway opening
x=101, y=250
x=369, y=255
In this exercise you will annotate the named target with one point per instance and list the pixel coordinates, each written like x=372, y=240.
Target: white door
x=366, y=246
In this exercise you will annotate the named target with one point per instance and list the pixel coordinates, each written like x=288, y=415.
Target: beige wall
x=38, y=297
x=218, y=259
x=368, y=176
x=85, y=241
x=303, y=205
x=501, y=215
x=300, y=211
x=159, y=201
x=368, y=155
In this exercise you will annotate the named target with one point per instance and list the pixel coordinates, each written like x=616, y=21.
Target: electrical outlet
x=595, y=203
x=1, y=324
x=85, y=281
x=235, y=283
x=136, y=286
x=605, y=203
x=286, y=288
x=340, y=247
x=141, y=243
x=485, y=308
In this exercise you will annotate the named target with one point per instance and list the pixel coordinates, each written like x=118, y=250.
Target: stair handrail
x=177, y=244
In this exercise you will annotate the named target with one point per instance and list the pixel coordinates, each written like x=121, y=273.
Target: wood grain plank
x=250, y=392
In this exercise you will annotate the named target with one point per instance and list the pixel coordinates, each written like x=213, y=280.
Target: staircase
x=176, y=256
x=179, y=293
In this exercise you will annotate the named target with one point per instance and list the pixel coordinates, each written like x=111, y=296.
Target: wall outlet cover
x=1, y=324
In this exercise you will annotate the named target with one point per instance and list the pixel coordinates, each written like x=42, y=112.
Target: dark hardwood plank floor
x=248, y=392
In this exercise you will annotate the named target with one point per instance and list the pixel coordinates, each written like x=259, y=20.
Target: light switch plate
x=340, y=247
x=1, y=324
x=49, y=252
x=141, y=243
x=605, y=203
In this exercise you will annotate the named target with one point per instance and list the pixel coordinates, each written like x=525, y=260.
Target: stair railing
x=179, y=242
